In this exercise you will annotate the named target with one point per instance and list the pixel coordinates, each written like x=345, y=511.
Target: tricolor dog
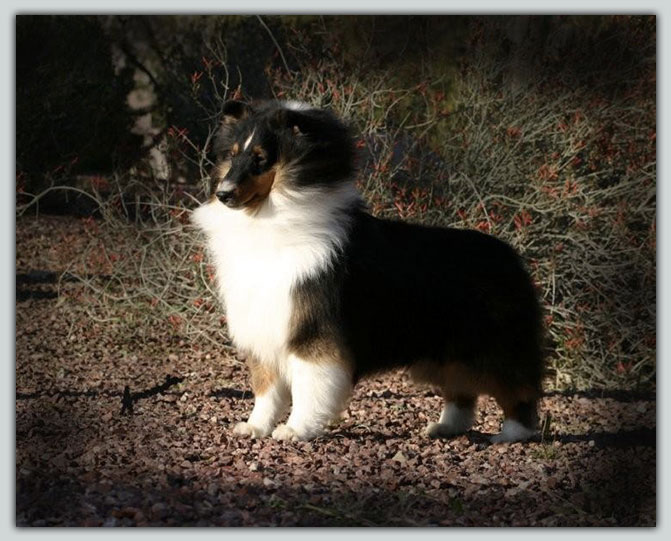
x=319, y=293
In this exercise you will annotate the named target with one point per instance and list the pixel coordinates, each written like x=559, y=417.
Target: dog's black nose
x=225, y=197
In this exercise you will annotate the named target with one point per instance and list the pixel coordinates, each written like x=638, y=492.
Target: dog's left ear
x=234, y=111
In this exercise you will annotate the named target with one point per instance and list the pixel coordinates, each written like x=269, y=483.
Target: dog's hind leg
x=319, y=392
x=271, y=401
x=520, y=416
x=456, y=418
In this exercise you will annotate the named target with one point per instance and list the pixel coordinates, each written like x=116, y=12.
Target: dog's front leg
x=271, y=400
x=319, y=391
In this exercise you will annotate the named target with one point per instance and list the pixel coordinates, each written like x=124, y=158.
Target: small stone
x=159, y=510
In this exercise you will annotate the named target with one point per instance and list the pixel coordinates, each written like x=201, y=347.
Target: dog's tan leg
x=271, y=401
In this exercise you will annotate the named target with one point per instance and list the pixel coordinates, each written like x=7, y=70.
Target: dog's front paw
x=443, y=430
x=245, y=429
x=286, y=433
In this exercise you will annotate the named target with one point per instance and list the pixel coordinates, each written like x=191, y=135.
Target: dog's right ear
x=234, y=111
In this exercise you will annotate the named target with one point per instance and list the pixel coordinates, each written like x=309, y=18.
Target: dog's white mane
x=258, y=258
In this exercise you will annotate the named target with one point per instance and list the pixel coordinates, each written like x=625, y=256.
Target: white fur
x=513, y=430
x=296, y=105
x=319, y=391
x=225, y=186
x=259, y=258
x=268, y=408
x=249, y=140
x=453, y=420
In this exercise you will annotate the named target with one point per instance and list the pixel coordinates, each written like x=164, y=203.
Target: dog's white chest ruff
x=255, y=285
x=259, y=259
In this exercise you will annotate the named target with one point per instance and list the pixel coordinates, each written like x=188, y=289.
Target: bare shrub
x=566, y=171
x=554, y=153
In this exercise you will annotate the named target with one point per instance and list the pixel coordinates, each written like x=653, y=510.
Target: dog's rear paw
x=245, y=429
x=442, y=430
x=511, y=431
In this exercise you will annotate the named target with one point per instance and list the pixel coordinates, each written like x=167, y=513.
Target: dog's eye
x=259, y=160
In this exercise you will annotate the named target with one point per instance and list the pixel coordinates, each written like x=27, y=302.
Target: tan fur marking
x=230, y=119
x=258, y=150
x=235, y=149
x=324, y=351
x=262, y=377
x=456, y=379
x=254, y=190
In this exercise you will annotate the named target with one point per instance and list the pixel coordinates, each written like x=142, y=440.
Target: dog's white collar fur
x=258, y=258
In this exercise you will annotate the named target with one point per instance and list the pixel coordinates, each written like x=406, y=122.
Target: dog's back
x=416, y=293
x=456, y=306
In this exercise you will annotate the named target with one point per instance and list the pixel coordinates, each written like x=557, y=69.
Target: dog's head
x=277, y=145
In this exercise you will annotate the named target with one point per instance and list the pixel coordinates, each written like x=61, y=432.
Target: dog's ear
x=312, y=122
x=234, y=111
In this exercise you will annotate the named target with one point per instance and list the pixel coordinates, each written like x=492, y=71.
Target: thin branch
x=279, y=49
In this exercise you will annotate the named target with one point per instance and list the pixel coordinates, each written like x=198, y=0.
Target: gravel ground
x=80, y=461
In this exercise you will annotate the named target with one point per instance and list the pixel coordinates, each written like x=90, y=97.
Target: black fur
x=398, y=294
x=401, y=293
x=323, y=143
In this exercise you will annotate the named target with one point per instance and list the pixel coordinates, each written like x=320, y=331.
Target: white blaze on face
x=249, y=140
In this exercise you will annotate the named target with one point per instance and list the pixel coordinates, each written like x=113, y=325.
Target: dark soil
x=117, y=428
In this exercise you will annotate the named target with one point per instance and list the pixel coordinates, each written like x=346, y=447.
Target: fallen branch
x=128, y=399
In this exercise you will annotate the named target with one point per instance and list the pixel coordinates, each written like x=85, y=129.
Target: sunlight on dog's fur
x=318, y=293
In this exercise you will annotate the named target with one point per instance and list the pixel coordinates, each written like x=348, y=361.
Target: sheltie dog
x=319, y=293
